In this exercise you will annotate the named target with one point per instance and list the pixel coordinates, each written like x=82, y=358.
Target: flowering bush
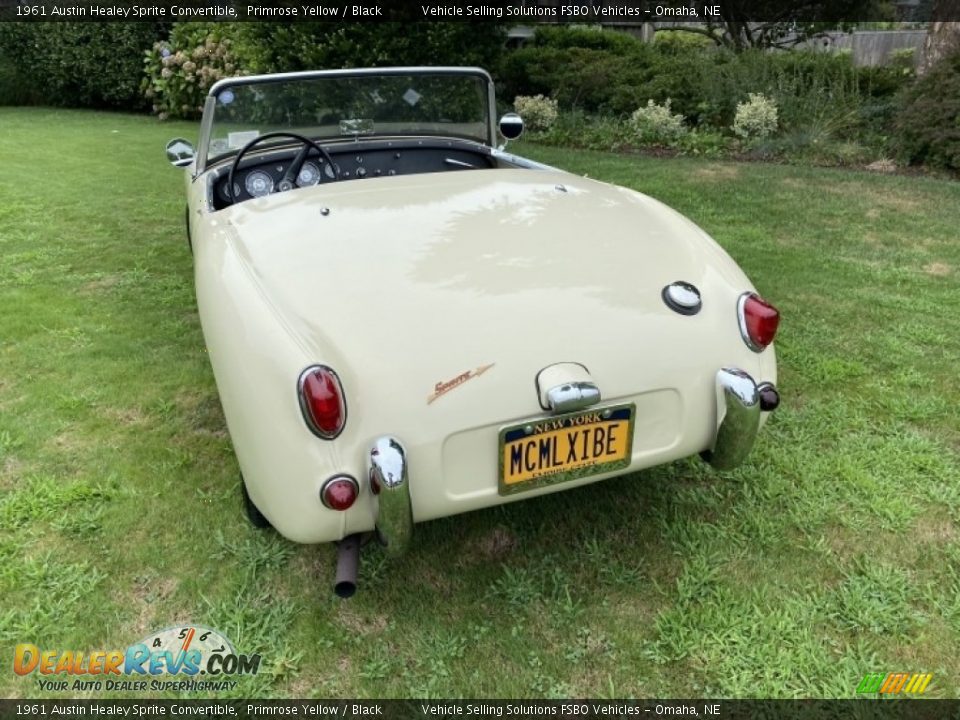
x=178, y=78
x=538, y=112
x=655, y=124
x=755, y=118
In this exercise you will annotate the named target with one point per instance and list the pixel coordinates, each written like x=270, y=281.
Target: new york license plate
x=565, y=447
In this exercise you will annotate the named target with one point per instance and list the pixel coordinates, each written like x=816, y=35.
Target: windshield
x=337, y=105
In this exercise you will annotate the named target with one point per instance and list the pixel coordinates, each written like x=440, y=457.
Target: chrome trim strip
x=572, y=396
x=491, y=111
x=206, y=122
x=458, y=163
x=390, y=484
x=349, y=72
x=738, y=418
x=521, y=161
x=742, y=321
x=673, y=297
x=306, y=411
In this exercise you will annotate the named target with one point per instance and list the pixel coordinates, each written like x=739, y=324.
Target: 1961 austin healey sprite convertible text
x=407, y=322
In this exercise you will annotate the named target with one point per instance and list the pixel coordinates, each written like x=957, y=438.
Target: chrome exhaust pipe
x=348, y=562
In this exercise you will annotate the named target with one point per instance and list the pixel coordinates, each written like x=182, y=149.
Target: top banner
x=518, y=12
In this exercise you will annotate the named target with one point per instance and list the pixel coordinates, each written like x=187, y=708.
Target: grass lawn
x=834, y=552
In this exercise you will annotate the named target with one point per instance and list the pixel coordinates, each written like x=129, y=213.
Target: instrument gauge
x=309, y=175
x=225, y=194
x=258, y=183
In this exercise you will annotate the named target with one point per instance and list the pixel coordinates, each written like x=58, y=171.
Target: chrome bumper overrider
x=738, y=418
x=738, y=421
x=391, y=486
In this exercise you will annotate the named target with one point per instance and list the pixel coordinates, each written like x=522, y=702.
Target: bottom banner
x=905, y=708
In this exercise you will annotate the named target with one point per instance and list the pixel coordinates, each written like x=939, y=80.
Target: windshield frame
x=206, y=123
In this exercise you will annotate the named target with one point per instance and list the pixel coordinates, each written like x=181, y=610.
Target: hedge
x=75, y=64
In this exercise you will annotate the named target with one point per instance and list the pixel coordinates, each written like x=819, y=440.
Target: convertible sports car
x=407, y=322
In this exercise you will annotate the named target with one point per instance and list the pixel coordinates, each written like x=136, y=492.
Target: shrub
x=703, y=143
x=813, y=149
x=77, y=64
x=578, y=130
x=755, y=118
x=904, y=60
x=597, y=80
x=578, y=78
x=655, y=124
x=538, y=112
x=575, y=129
x=592, y=38
x=927, y=125
x=680, y=41
x=179, y=72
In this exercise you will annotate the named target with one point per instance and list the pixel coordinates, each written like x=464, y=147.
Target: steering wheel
x=288, y=181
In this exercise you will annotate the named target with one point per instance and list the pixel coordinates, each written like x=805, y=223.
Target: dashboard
x=258, y=175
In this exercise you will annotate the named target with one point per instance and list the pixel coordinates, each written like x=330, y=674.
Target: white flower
x=756, y=118
x=538, y=112
x=656, y=124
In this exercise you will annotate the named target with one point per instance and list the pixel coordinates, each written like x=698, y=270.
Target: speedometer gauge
x=309, y=175
x=258, y=183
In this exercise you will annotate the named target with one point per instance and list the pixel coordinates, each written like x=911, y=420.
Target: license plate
x=565, y=447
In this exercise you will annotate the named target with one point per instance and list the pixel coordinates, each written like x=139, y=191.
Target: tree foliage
x=285, y=47
x=744, y=24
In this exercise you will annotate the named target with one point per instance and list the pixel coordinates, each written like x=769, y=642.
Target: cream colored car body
x=403, y=284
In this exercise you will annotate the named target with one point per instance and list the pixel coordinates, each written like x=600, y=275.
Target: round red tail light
x=339, y=492
x=758, y=321
x=321, y=401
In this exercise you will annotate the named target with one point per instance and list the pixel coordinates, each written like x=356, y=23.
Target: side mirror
x=511, y=126
x=180, y=152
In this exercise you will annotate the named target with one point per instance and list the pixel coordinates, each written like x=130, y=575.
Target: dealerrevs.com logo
x=182, y=658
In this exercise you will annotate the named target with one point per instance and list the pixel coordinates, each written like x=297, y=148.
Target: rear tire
x=256, y=518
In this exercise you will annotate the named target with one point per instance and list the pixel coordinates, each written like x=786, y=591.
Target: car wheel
x=254, y=515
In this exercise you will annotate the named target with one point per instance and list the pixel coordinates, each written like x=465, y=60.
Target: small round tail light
x=758, y=321
x=322, y=402
x=339, y=492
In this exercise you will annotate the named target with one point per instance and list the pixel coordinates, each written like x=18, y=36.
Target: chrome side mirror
x=511, y=127
x=180, y=152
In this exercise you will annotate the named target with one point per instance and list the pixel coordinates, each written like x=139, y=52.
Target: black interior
x=356, y=161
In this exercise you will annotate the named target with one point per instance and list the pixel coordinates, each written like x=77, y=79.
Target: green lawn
x=834, y=552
